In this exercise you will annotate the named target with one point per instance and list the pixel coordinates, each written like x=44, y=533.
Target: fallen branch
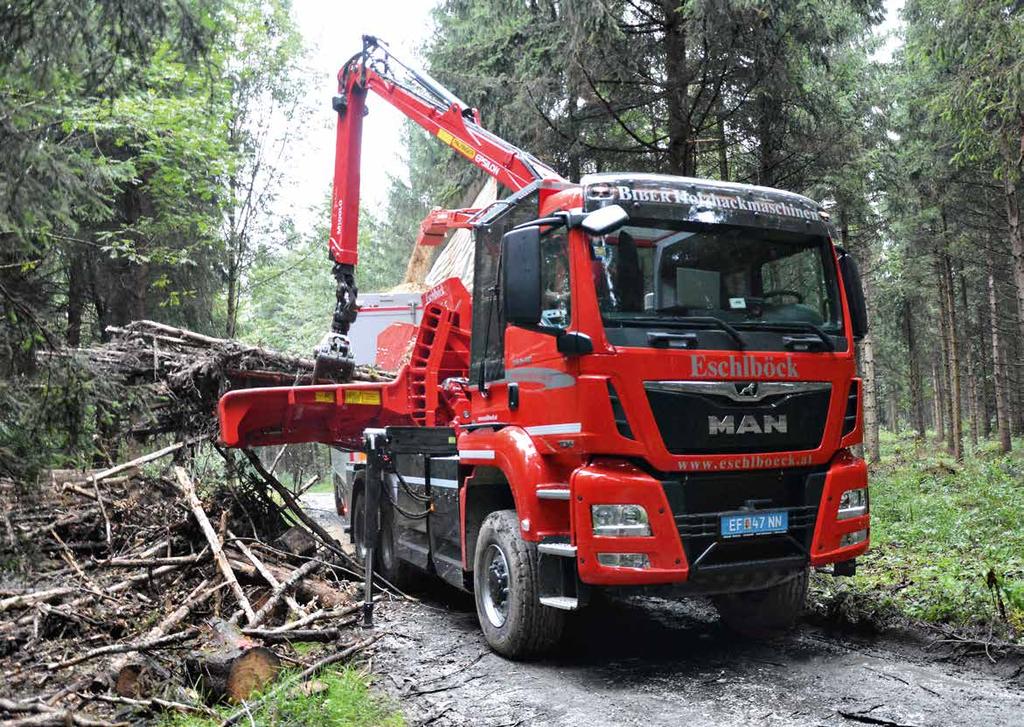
x=151, y=703
x=141, y=645
x=295, y=507
x=31, y=599
x=280, y=590
x=264, y=571
x=48, y=715
x=270, y=636
x=139, y=461
x=189, y=490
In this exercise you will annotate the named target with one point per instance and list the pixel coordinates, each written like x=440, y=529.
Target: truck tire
x=385, y=561
x=339, y=497
x=505, y=587
x=767, y=612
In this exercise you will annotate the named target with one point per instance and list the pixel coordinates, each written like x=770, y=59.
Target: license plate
x=754, y=523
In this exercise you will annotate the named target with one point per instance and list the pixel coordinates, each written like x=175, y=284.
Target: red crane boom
x=426, y=102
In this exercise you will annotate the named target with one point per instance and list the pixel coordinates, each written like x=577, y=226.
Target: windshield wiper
x=826, y=340
x=712, y=321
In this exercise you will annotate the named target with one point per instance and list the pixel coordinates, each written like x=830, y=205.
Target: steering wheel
x=780, y=293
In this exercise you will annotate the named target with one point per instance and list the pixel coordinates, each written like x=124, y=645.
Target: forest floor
x=947, y=544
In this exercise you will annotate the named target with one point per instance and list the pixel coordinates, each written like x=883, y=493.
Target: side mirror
x=854, y=294
x=520, y=276
x=605, y=220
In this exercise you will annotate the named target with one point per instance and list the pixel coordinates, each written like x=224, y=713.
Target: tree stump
x=139, y=677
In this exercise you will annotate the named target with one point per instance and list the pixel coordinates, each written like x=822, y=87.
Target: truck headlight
x=858, y=536
x=853, y=503
x=624, y=560
x=620, y=520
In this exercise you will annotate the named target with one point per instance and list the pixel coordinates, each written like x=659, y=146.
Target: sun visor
x=661, y=197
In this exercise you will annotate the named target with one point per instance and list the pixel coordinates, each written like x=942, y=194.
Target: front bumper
x=685, y=545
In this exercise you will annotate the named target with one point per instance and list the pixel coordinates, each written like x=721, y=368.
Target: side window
x=556, y=309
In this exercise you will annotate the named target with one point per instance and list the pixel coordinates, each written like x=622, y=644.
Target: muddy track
x=656, y=662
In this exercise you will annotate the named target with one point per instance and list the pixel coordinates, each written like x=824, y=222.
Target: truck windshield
x=743, y=276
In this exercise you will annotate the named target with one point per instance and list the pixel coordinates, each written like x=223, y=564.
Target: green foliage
x=346, y=700
x=291, y=297
x=62, y=417
x=946, y=539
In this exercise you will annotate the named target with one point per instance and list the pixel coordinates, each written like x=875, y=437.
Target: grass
x=947, y=540
x=324, y=486
x=343, y=700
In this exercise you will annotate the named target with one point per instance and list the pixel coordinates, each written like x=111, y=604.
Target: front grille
x=710, y=417
x=699, y=500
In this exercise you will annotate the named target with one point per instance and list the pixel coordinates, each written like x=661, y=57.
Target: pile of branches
x=125, y=594
x=188, y=372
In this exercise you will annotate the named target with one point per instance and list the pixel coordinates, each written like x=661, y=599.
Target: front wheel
x=505, y=586
x=765, y=612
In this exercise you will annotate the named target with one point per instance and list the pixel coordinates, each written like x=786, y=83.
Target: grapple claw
x=334, y=359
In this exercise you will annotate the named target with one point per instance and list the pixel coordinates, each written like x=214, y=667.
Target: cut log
x=297, y=541
x=140, y=676
x=232, y=666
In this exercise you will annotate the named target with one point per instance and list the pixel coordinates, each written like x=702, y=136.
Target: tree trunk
x=1016, y=229
x=914, y=364
x=985, y=366
x=677, y=91
x=999, y=370
x=77, y=290
x=231, y=325
x=723, y=151
x=971, y=367
x=955, y=435
x=893, y=414
x=938, y=403
x=232, y=667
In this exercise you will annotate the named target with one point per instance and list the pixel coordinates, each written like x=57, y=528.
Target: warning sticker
x=362, y=396
x=324, y=397
x=457, y=144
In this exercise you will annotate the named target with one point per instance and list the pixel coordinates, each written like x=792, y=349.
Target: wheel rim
x=495, y=586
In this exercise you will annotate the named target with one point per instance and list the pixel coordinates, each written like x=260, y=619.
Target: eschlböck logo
x=747, y=367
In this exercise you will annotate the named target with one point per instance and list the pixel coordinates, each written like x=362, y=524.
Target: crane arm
x=436, y=109
x=428, y=104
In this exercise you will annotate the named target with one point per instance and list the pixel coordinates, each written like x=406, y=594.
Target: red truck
x=652, y=385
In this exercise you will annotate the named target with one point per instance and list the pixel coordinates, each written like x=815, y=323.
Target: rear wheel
x=766, y=612
x=511, y=616
x=357, y=534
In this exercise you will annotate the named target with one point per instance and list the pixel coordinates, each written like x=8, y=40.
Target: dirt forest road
x=656, y=662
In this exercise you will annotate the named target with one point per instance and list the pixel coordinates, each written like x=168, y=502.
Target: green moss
x=346, y=701
x=947, y=539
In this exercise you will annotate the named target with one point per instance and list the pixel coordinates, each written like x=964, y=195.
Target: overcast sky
x=333, y=30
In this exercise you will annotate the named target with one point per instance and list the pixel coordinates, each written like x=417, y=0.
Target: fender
x=513, y=452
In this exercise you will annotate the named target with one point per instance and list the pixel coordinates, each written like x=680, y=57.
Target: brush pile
x=135, y=590
x=185, y=373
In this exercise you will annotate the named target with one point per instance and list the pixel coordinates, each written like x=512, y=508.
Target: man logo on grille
x=747, y=389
